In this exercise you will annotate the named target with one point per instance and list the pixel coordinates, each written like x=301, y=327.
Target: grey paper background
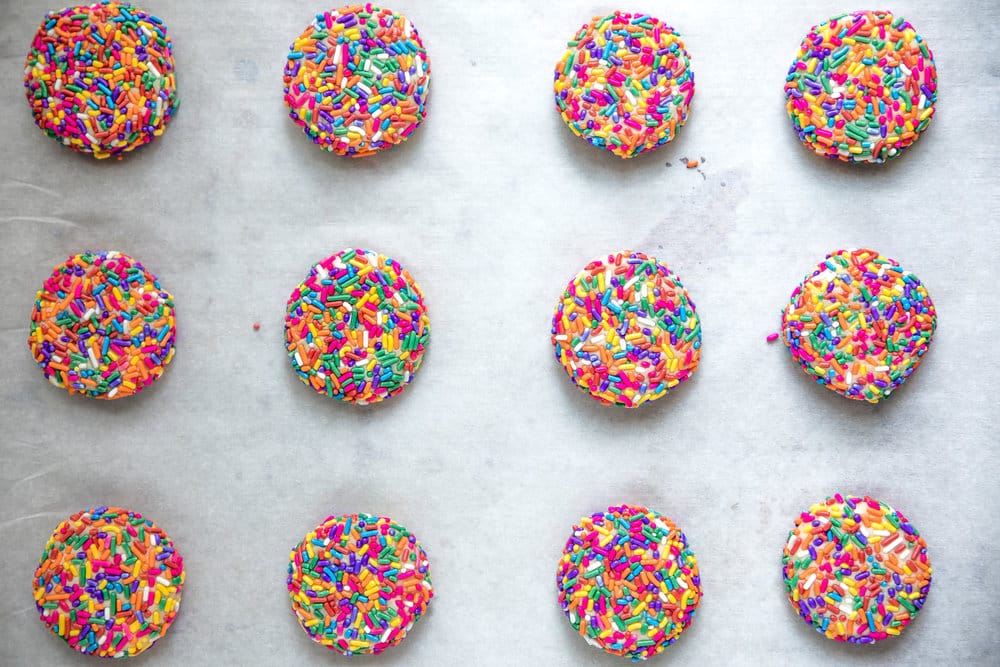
x=491, y=455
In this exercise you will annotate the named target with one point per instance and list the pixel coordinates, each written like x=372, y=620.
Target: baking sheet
x=491, y=455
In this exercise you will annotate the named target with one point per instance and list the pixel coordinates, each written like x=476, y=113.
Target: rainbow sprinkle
x=358, y=583
x=628, y=583
x=855, y=569
x=357, y=327
x=625, y=83
x=102, y=326
x=100, y=78
x=626, y=330
x=109, y=582
x=862, y=87
x=357, y=80
x=859, y=324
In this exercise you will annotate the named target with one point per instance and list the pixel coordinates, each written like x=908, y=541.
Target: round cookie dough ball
x=862, y=87
x=626, y=330
x=100, y=78
x=357, y=327
x=359, y=583
x=102, y=326
x=109, y=582
x=859, y=324
x=856, y=570
x=357, y=80
x=628, y=582
x=625, y=83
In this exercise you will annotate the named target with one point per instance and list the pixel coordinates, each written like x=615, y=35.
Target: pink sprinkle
x=772, y=337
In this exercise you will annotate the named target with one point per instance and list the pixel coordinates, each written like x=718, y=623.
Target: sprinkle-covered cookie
x=856, y=570
x=859, y=324
x=862, y=87
x=357, y=327
x=359, y=583
x=624, y=83
x=626, y=330
x=102, y=326
x=628, y=582
x=109, y=582
x=357, y=80
x=100, y=78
